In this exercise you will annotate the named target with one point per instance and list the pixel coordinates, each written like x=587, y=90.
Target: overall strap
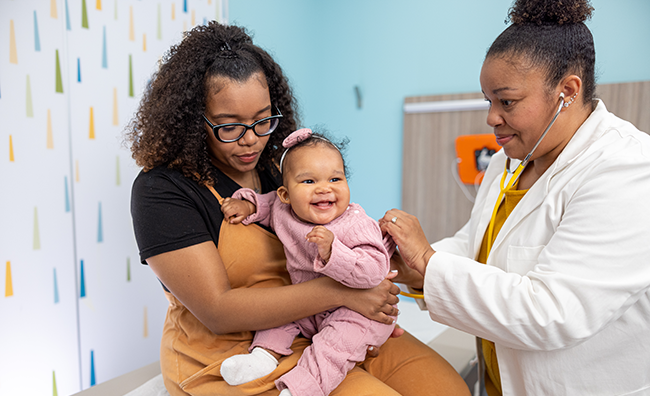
x=216, y=194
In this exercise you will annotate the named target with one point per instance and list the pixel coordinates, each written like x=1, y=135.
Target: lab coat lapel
x=579, y=143
x=484, y=212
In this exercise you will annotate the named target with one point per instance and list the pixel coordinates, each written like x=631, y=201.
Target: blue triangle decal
x=93, y=381
x=56, y=289
x=82, y=294
x=104, y=56
x=100, y=232
x=37, y=39
x=67, y=195
x=67, y=16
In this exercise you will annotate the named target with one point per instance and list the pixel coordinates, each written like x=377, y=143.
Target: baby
x=323, y=235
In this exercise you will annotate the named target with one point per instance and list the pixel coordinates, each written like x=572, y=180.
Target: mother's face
x=233, y=101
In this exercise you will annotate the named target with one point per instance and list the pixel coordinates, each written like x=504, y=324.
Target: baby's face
x=315, y=184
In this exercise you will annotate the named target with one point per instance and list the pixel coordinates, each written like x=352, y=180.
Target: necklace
x=257, y=185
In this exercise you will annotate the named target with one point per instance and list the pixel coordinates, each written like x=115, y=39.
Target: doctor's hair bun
x=546, y=12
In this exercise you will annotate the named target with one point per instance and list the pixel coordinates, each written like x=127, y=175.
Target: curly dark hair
x=168, y=127
x=552, y=35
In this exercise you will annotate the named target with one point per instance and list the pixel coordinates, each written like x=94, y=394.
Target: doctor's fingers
x=401, y=225
x=391, y=216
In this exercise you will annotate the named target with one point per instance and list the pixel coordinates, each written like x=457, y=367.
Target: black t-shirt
x=171, y=211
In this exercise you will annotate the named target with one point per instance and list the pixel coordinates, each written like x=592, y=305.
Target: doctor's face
x=521, y=107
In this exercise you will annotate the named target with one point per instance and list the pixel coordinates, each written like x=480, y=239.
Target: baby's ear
x=283, y=193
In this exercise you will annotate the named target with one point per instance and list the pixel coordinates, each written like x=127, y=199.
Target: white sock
x=239, y=369
x=285, y=392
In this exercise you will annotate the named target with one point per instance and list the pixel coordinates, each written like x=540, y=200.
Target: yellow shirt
x=492, y=378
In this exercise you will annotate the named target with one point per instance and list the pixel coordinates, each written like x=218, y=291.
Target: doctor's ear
x=570, y=89
x=283, y=194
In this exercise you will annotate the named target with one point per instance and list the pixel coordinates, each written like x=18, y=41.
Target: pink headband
x=296, y=137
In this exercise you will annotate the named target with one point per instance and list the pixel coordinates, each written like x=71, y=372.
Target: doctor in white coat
x=552, y=271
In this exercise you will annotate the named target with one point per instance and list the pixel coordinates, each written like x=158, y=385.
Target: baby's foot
x=239, y=369
x=285, y=392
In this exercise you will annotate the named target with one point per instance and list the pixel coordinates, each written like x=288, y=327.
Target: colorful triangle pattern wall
x=67, y=105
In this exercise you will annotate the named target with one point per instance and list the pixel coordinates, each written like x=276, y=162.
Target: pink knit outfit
x=340, y=337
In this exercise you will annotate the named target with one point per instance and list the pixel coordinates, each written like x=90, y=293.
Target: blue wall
x=396, y=49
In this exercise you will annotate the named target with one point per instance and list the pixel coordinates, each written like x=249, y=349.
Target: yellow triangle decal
x=9, y=287
x=13, y=53
x=91, y=132
x=146, y=325
x=115, y=118
x=53, y=12
x=50, y=135
x=11, y=149
x=131, y=27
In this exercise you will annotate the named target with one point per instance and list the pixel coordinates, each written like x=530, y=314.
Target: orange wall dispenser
x=473, y=154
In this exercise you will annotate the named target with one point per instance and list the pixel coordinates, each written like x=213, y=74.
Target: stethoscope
x=505, y=187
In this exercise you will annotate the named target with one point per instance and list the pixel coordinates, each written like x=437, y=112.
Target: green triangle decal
x=28, y=95
x=59, y=80
x=117, y=171
x=84, y=15
x=55, y=392
x=37, y=234
x=130, y=76
x=159, y=31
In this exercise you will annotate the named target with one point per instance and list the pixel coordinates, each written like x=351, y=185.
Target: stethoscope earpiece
x=566, y=104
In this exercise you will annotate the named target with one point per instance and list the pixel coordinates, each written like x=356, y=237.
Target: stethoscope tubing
x=530, y=154
x=505, y=187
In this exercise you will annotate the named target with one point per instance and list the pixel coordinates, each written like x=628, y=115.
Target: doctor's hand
x=409, y=236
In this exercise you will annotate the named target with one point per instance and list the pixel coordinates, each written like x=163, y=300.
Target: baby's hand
x=323, y=239
x=236, y=210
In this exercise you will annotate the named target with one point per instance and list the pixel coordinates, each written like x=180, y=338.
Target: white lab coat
x=565, y=294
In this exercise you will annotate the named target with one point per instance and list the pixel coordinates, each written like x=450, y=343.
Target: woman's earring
x=567, y=104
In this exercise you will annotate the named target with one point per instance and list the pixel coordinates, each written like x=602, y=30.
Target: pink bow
x=296, y=137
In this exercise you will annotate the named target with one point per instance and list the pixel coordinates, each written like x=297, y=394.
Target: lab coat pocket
x=522, y=259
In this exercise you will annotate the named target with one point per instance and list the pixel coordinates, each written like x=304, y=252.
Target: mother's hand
x=409, y=236
x=376, y=303
x=405, y=274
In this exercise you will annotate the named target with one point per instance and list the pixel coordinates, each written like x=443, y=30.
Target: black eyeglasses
x=232, y=132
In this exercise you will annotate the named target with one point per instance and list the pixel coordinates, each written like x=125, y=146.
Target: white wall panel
x=49, y=330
